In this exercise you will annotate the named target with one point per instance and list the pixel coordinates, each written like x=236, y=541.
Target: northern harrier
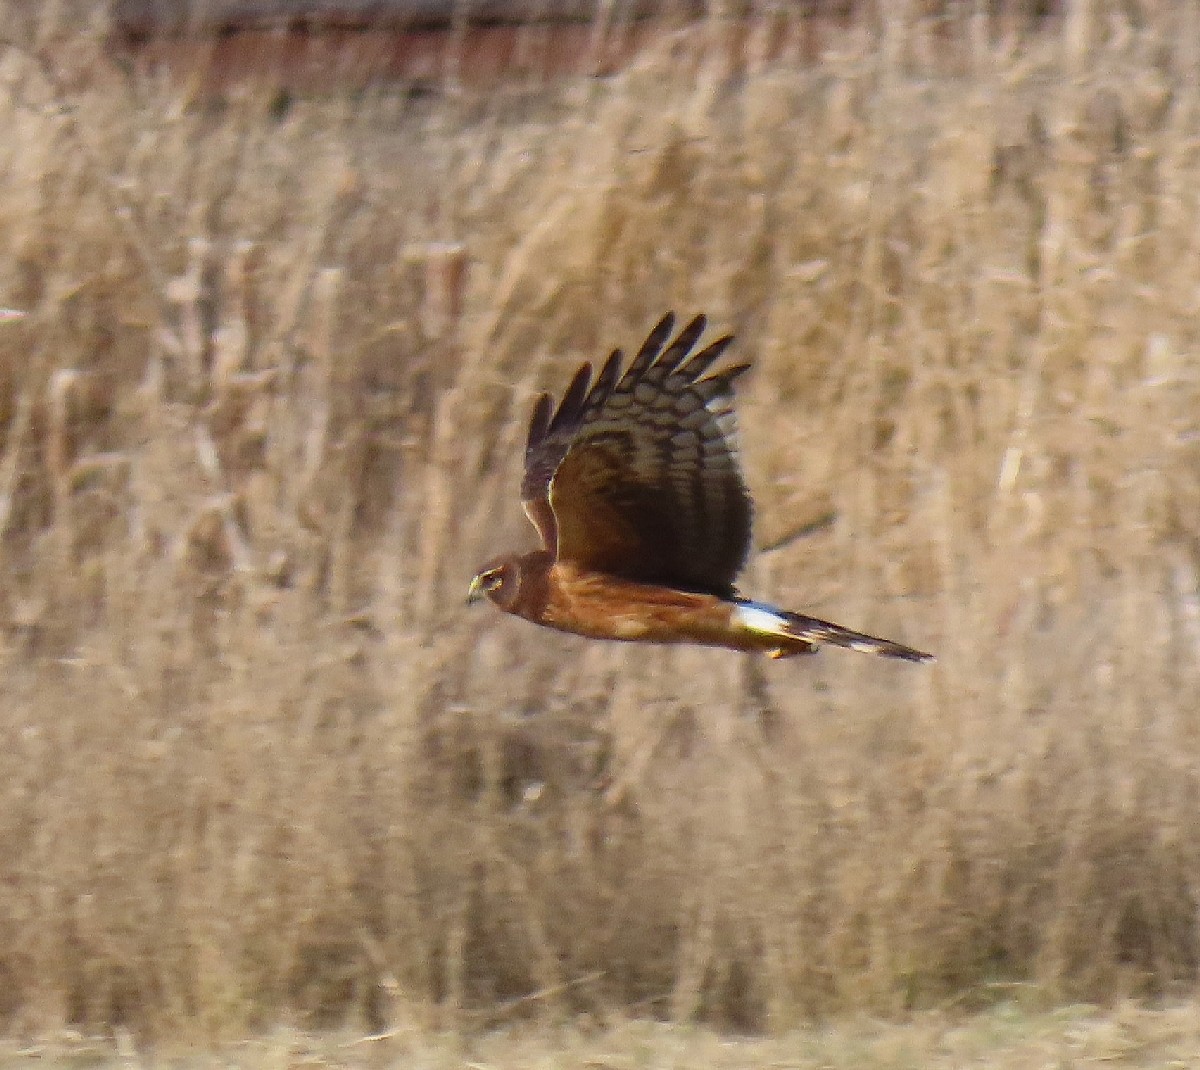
x=633, y=485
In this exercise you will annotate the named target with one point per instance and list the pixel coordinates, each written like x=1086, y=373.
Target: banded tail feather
x=801, y=633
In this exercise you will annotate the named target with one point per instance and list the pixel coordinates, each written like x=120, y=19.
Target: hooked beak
x=476, y=591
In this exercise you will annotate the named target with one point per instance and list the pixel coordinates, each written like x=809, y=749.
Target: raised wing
x=636, y=474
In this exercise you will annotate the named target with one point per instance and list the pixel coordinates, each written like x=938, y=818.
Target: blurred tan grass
x=262, y=763
x=1006, y=1036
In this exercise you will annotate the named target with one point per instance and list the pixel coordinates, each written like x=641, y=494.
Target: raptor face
x=499, y=580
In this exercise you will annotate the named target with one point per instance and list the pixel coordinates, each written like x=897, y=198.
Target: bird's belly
x=605, y=607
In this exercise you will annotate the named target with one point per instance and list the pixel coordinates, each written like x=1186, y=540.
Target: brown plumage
x=634, y=486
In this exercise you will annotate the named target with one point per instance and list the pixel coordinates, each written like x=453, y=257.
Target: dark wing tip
x=696, y=327
x=572, y=402
x=720, y=383
x=707, y=357
x=539, y=422
x=607, y=378
x=732, y=373
x=652, y=346
x=664, y=326
x=682, y=346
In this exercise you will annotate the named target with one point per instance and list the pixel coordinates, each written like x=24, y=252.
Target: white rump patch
x=759, y=618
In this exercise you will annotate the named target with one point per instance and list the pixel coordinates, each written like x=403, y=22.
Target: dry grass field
x=1006, y=1036
x=261, y=765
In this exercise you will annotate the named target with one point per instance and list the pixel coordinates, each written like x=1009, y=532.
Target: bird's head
x=498, y=580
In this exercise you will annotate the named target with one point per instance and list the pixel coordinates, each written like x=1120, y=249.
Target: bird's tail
x=800, y=633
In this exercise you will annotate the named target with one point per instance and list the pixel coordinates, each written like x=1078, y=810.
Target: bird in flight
x=634, y=486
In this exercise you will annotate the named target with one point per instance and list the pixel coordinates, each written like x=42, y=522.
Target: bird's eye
x=492, y=578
